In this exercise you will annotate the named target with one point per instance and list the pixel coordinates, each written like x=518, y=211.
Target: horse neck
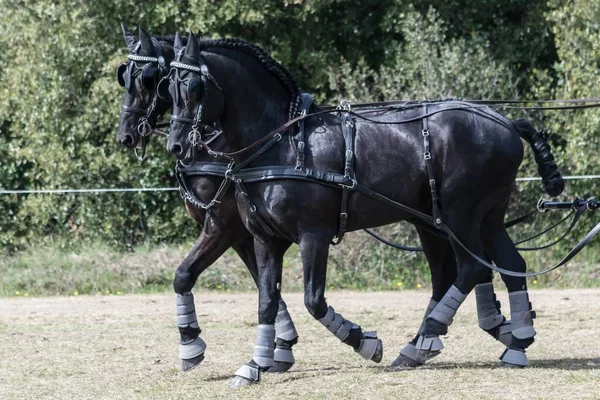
x=256, y=102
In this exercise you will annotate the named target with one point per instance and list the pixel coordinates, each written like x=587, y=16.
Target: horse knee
x=316, y=305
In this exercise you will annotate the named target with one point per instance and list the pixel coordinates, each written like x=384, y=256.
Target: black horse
x=396, y=156
x=141, y=104
x=140, y=77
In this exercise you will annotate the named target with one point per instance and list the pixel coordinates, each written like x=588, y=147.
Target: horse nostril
x=176, y=150
x=127, y=141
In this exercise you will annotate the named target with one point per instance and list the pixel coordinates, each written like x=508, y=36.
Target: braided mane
x=265, y=60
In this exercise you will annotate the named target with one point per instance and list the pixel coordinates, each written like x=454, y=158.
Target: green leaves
x=60, y=103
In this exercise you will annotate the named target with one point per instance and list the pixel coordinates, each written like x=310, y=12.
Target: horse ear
x=146, y=41
x=192, y=49
x=178, y=43
x=129, y=37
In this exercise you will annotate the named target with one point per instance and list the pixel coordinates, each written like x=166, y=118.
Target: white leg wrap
x=264, y=348
x=284, y=327
x=192, y=349
x=521, y=315
x=284, y=355
x=186, y=311
x=368, y=345
x=430, y=307
x=446, y=309
x=487, y=306
x=336, y=324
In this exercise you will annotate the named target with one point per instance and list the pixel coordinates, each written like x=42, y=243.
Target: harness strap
x=307, y=100
x=436, y=211
x=349, y=132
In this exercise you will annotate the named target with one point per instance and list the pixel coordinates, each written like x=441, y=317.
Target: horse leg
x=502, y=250
x=314, y=251
x=269, y=258
x=489, y=315
x=442, y=265
x=466, y=225
x=206, y=251
x=286, y=335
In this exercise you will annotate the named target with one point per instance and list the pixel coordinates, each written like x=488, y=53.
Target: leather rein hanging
x=235, y=172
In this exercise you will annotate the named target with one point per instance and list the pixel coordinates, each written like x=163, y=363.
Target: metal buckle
x=350, y=187
x=427, y=156
x=541, y=206
x=425, y=132
x=345, y=105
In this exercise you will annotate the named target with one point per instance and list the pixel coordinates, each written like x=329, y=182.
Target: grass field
x=125, y=347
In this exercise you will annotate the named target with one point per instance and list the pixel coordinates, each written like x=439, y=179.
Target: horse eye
x=121, y=69
x=194, y=90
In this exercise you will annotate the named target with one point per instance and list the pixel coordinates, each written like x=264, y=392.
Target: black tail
x=553, y=181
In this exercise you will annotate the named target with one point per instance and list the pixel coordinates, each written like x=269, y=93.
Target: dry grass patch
x=97, y=347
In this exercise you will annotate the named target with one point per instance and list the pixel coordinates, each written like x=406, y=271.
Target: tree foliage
x=59, y=102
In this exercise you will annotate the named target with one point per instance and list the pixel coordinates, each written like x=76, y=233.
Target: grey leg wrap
x=489, y=315
x=412, y=352
x=521, y=315
x=488, y=308
x=186, y=318
x=284, y=327
x=369, y=345
x=264, y=349
x=248, y=373
x=336, y=324
x=446, y=309
x=430, y=307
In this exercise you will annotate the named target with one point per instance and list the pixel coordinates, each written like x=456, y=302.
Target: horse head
x=228, y=84
x=142, y=108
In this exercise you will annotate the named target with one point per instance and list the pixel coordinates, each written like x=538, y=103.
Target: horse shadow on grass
x=569, y=364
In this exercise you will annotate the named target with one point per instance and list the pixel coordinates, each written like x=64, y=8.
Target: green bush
x=60, y=102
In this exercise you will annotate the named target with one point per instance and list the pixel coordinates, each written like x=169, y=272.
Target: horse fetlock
x=264, y=349
x=284, y=326
x=432, y=304
x=504, y=333
x=445, y=310
x=283, y=350
x=371, y=347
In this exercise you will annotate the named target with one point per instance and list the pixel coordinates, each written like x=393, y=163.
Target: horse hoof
x=280, y=366
x=404, y=361
x=240, y=381
x=188, y=365
x=378, y=352
x=514, y=358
